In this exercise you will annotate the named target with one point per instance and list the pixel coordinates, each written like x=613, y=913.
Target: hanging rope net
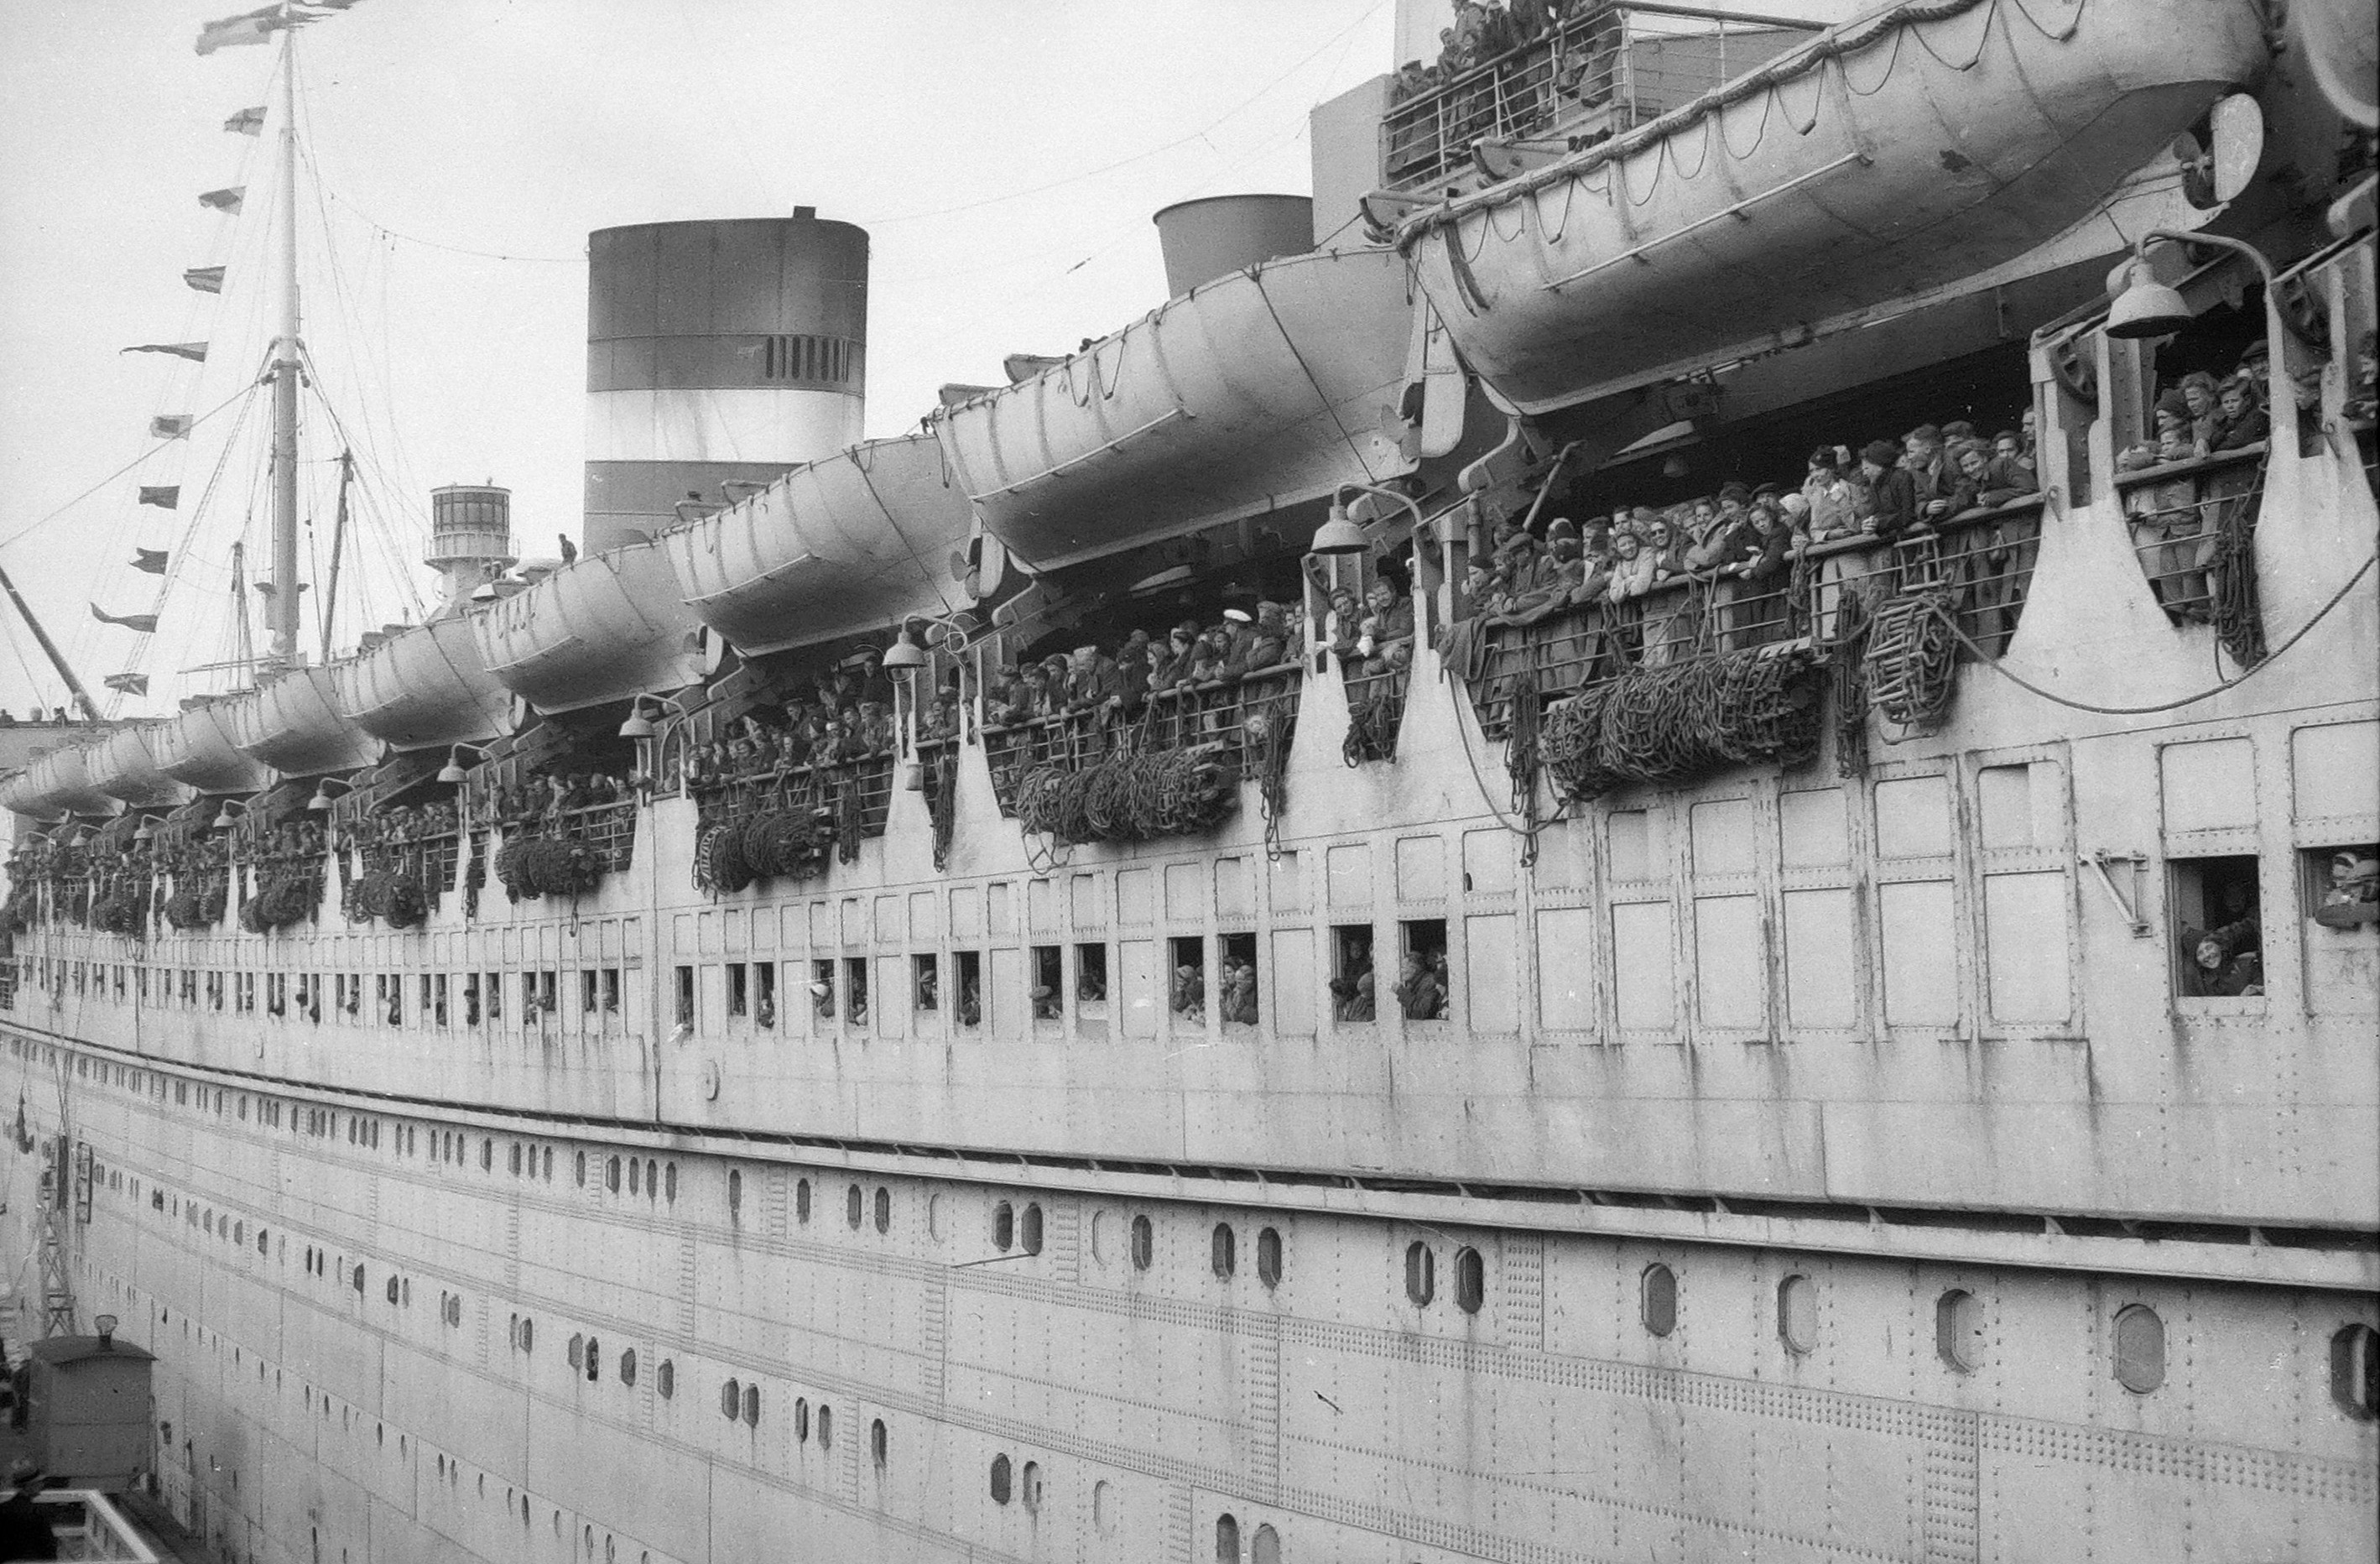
x=394, y=896
x=1683, y=721
x=543, y=866
x=1910, y=666
x=1132, y=797
x=286, y=896
x=774, y=844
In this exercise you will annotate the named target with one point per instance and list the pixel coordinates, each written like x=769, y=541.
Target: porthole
x=801, y=1419
x=578, y=1169
x=1028, y=1237
x=577, y=1353
x=1268, y=1257
x=669, y=1185
x=1000, y=1480
x=752, y=1406
x=1470, y=1280
x=880, y=1443
x=2355, y=1371
x=1265, y=1546
x=1959, y=1330
x=1656, y=1298
x=731, y=1398
x=1103, y=1509
x=735, y=1191
x=594, y=1360
x=652, y=1180
x=934, y=1217
x=855, y=1206
x=826, y=1427
x=2140, y=1348
x=802, y=1202
x=635, y=1177
x=1003, y=1227
x=1099, y=1239
x=1421, y=1274
x=1227, y=1540
x=612, y=1175
x=665, y=1380
x=1797, y=1313
x=629, y=1369
x=1029, y=1488
x=1223, y=1250
x=883, y=1211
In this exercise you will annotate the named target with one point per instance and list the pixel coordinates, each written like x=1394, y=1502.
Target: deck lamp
x=231, y=812
x=320, y=802
x=2147, y=308
x=1342, y=534
x=905, y=656
x=639, y=725
x=452, y=773
x=142, y=833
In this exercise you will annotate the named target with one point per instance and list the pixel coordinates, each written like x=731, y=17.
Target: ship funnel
x=1220, y=234
x=470, y=537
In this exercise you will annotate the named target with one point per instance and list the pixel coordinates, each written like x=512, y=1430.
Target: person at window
x=822, y=1000
x=1189, y=993
x=1418, y=990
x=2241, y=420
x=1352, y=996
x=1046, y=1003
x=1892, y=490
x=928, y=989
x=1239, y=1005
x=1388, y=631
x=971, y=1003
x=2216, y=971
x=2353, y=895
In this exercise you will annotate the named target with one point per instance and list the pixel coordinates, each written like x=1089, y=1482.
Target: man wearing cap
x=1128, y=684
x=1171, y=666
x=24, y=1531
x=1892, y=490
x=1388, y=639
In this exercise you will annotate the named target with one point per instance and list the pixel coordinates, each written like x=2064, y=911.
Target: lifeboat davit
x=58, y=785
x=607, y=627
x=853, y=542
x=122, y=767
x=295, y=726
x=200, y=747
x=1884, y=158
x=1260, y=389
x=423, y=688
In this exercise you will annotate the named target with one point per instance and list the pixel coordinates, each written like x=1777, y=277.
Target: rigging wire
x=44, y=520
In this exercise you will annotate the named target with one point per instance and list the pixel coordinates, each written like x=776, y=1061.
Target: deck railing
x=1599, y=72
x=1238, y=714
x=1984, y=560
x=2179, y=514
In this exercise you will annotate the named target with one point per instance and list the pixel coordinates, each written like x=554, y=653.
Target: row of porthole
x=648, y=1178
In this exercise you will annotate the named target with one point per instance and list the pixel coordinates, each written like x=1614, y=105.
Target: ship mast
x=283, y=621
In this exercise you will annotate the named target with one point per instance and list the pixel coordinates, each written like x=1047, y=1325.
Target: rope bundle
x=2238, y=610
x=1131, y=798
x=286, y=897
x=1682, y=721
x=1910, y=666
x=788, y=843
x=392, y=896
x=196, y=905
x=544, y=866
x=118, y=912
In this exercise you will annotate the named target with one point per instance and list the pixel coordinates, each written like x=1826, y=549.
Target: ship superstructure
x=1265, y=944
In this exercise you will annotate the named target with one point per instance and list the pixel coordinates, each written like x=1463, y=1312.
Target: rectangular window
x=969, y=965
x=1186, y=980
x=822, y=990
x=2218, y=947
x=926, y=983
x=740, y=990
x=764, y=992
x=1354, y=998
x=587, y=1002
x=854, y=989
x=438, y=997
x=686, y=996
x=1092, y=975
x=1237, y=993
x=2337, y=886
x=1422, y=976
x=1048, y=993
x=424, y=1006
x=549, y=992
x=471, y=1015
x=495, y=997
x=611, y=990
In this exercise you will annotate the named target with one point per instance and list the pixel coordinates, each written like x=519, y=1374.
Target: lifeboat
x=423, y=688
x=851, y=543
x=1269, y=386
x=1883, y=159
x=56, y=785
x=295, y=726
x=602, y=629
x=200, y=747
x=122, y=767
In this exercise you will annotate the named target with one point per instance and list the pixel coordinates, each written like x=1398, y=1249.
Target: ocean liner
x=1651, y=837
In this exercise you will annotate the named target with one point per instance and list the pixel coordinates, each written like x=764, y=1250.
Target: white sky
x=1005, y=157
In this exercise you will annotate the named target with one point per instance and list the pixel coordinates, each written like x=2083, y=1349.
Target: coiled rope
x=1684, y=721
x=1132, y=797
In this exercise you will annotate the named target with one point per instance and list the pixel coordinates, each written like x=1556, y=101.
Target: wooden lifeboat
x=1883, y=159
x=295, y=726
x=58, y=785
x=200, y=747
x=122, y=767
x=850, y=544
x=602, y=629
x=423, y=688
x=1263, y=388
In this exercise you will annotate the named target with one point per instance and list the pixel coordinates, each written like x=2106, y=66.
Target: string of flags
x=196, y=352
x=258, y=26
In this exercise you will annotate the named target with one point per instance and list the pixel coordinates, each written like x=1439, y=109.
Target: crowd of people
x=1235, y=998
x=1482, y=31
x=1757, y=535
x=543, y=801
x=1118, y=686
x=1421, y=990
x=2174, y=524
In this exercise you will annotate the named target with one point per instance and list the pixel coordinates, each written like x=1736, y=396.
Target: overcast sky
x=1005, y=157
